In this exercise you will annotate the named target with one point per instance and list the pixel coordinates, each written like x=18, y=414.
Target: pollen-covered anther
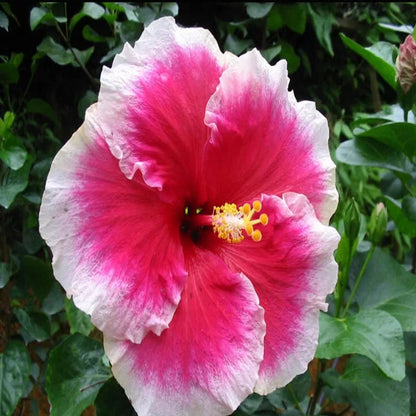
x=229, y=222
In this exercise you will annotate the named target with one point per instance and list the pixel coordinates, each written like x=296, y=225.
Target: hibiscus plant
x=207, y=209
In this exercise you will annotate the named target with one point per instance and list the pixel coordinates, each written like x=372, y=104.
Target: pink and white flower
x=188, y=216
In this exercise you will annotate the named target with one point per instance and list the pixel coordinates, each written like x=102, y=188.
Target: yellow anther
x=257, y=206
x=256, y=236
x=246, y=209
x=229, y=222
x=264, y=219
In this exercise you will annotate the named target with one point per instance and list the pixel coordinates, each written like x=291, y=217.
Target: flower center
x=229, y=222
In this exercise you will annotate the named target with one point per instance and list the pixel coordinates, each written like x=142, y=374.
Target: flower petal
x=116, y=246
x=152, y=105
x=292, y=270
x=264, y=141
x=207, y=361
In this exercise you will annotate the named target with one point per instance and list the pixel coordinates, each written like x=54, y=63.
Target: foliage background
x=340, y=55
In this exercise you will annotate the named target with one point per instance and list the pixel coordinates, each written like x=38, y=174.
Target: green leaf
x=39, y=106
x=37, y=275
x=14, y=182
x=323, y=20
x=32, y=241
x=6, y=271
x=14, y=376
x=63, y=56
x=410, y=342
x=292, y=394
x=399, y=136
x=411, y=375
x=90, y=34
x=111, y=400
x=250, y=404
x=93, y=10
x=367, y=152
x=4, y=21
x=258, y=10
x=368, y=390
x=40, y=15
x=373, y=333
x=294, y=16
x=86, y=100
x=35, y=323
x=54, y=302
x=379, y=56
x=78, y=320
x=74, y=374
x=288, y=53
x=387, y=286
x=235, y=45
x=12, y=152
x=130, y=31
x=7, y=122
x=409, y=207
x=402, y=222
x=8, y=73
x=271, y=53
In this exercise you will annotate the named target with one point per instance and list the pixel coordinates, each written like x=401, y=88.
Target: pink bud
x=406, y=64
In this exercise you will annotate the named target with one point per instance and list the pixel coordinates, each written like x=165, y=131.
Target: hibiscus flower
x=188, y=216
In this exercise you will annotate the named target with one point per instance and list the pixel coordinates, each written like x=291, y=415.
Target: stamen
x=229, y=222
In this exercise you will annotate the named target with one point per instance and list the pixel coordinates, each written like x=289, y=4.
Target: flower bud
x=378, y=224
x=406, y=64
x=352, y=220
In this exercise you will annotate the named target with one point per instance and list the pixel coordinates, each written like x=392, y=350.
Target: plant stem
x=93, y=81
x=344, y=279
x=317, y=393
x=295, y=399
x=357, y=282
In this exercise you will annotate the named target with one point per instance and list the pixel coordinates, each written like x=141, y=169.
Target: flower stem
x=357, y=282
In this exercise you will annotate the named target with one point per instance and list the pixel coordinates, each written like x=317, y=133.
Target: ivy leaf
x=111, y=400
x=12, y=152
x=373, y=333
x=75, y=372
x=14, y=182
x=4, y=21
x=14, y=376
x=5, y=272
x=39, y=106
x=293, y=394
x=63, y=56
x=78, y=320
x=368, y=390
x=35, y=324
x=90, y=9
x=40, y=15
x=387, y=286
x=258, y=10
